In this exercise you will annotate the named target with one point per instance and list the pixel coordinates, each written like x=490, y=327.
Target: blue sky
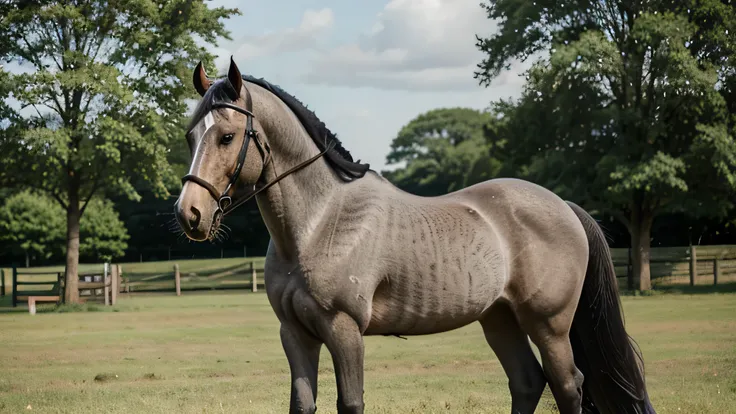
x=366, y=67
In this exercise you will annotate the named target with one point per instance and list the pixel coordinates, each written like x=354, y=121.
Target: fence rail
x=694, y=265
x=691, y=264
x=245, y=275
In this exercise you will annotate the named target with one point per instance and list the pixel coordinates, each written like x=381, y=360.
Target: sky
x=366, y=68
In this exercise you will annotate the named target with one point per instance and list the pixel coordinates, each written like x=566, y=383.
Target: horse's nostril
x=194, y=218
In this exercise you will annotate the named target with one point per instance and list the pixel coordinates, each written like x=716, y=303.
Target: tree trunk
x=641, y=230
x=28, y=260
x=73, y=215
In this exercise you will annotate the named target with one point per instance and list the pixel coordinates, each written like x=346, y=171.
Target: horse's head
x=227, y=154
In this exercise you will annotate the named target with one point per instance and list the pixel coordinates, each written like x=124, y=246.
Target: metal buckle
x=221, y=203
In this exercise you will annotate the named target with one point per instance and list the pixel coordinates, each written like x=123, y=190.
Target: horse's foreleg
x=345, y=342
x=511, y=346
x=302, y=351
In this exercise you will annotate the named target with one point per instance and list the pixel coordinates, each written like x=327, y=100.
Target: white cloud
x=305, y=36
x=437, y=78
x=414, y=44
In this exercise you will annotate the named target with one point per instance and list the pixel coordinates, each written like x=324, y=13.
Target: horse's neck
x=292, y=207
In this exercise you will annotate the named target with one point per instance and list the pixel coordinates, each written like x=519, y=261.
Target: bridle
x=225, y=203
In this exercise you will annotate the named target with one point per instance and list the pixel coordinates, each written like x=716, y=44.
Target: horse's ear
x=200, y=79
x=233, y=75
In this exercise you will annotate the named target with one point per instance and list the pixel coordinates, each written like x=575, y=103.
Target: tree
x=32, y=225
x=105, y=83
x=103, y=234
x=442, y=150
x=631, y=113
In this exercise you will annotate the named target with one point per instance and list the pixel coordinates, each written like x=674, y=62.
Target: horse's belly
x=416, y=306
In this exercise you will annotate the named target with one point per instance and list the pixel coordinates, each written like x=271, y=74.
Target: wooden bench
x=32, y=286
x=33, y=299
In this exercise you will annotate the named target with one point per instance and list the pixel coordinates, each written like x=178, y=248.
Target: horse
x=351, y=255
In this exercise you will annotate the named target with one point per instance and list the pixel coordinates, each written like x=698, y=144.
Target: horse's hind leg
x=302, y=351
x=552, y=337
x=511, y=346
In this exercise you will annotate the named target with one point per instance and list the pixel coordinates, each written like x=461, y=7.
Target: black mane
x=338, y=157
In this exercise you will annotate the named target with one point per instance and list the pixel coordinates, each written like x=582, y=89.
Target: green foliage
x=107, y=81
x=442, y=150
x=32, y=224
x=103, y=234
x=631, y=104
x=631, y=114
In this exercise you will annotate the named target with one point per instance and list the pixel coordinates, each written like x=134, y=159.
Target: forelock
x=220, y=91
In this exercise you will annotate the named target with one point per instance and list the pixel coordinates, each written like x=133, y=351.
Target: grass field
x=220, y=352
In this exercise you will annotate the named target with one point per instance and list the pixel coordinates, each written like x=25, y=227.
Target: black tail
x=612, y=367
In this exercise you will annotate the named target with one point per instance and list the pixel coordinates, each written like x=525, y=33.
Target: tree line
x=97, y=94
x=629, y=110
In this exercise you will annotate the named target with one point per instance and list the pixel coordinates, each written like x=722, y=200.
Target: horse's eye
x=227, y=138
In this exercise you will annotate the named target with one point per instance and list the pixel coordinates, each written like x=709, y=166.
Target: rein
x=225, y=203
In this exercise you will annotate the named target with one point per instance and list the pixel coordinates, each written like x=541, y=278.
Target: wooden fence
x=32, y=286
x=668, y=265
x=102, y=287
x=691, y=265
x=696, y=265
x=245, y=275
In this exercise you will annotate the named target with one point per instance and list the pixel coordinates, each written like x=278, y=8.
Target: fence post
x=15, y=286
x=629, y=273
x=124, y=279
x=114, y=284
x=693, y=264
x=254, y=277
x=716, y=270
x=61, y=287
x=177, y=279
x=106, y=283
x=2, y=278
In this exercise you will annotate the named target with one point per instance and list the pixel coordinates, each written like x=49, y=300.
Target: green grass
x=220, y=352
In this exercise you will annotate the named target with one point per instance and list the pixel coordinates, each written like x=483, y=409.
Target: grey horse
x=352, y=255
